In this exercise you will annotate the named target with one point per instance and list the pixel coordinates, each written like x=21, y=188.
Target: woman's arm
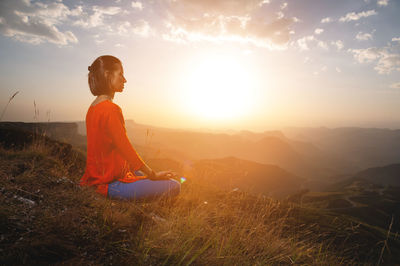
x=162, y=175
x=117, y=131
x=148, y=171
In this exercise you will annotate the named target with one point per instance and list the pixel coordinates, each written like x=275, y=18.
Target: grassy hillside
x=232, y=173
x=47, y=218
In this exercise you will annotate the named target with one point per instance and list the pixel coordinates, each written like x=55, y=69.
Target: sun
x=218, y=88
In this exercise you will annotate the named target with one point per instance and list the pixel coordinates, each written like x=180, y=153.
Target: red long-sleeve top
x=110, y=155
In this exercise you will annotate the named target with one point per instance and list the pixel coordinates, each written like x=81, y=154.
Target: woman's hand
x=163, y=175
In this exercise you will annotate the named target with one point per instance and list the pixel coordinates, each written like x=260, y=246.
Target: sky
x=207, y=64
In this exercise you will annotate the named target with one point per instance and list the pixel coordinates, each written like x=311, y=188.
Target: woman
x=112, y=164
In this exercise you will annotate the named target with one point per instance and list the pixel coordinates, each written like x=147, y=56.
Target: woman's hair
x=98, y=82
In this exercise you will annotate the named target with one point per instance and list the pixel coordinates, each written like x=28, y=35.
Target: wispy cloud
x=366, y=55
x=383, y=2
x=338, y=44
x=363, y=36
x=303, y=43
x=142, y=28
x=137, y=5
x=356, y=16
x=97, y=16
x=318, y=31
x=284, y=5
x=36, y=22
x=323, y=45
x=307, y=42
x=326, y=20
x=227, y=20
x=386, y=59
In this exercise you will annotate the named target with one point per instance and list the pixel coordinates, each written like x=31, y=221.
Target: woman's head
x=106, y=75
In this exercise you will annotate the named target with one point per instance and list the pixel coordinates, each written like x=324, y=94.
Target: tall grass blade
x=5, y=108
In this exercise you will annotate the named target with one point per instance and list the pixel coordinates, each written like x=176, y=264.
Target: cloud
x=142, y=28
x=338, y=70
x=363, y=36
x=383, y=2
x=36, y=22
x=338, y=44
x=97, y=39
x=395, y=85
x=137, y=5
x=326, y=20
x=386, y=59
x=323, y=45
x=226, y=20
x=366, y=55
x=356, y=16
x=303, y=42
x=318, y=31
x=97, y=17
x=264, y=2
x=124, y=28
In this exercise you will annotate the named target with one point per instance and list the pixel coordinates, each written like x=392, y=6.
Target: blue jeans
x=144, y=189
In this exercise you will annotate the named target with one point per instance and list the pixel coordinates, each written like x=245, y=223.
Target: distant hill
x=313, y=153
x=385, y=175
x=270, y=147
x=388, y=175
x=362, y=147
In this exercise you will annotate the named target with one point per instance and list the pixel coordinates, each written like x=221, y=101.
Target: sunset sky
x=248, y=64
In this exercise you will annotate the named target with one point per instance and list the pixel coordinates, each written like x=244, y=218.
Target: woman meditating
x=112, y=166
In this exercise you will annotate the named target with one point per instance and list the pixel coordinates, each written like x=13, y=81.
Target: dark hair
x=98, y=82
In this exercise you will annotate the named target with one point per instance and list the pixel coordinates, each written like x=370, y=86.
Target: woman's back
x=105, y=146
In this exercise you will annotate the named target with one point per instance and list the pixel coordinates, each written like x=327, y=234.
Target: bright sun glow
x=219, y=88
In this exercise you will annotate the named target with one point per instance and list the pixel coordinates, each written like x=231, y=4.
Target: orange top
x=110, y=155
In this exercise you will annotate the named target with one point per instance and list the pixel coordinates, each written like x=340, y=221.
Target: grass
x=47, y=218
x=5, y=107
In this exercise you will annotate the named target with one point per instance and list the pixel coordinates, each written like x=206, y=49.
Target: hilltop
x=47, y=218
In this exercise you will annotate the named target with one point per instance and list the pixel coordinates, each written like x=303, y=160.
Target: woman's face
x=117, y=79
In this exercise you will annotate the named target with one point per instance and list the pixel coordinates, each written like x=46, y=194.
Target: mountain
x=270, y=147
x=383, y=176
x=362, y=147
